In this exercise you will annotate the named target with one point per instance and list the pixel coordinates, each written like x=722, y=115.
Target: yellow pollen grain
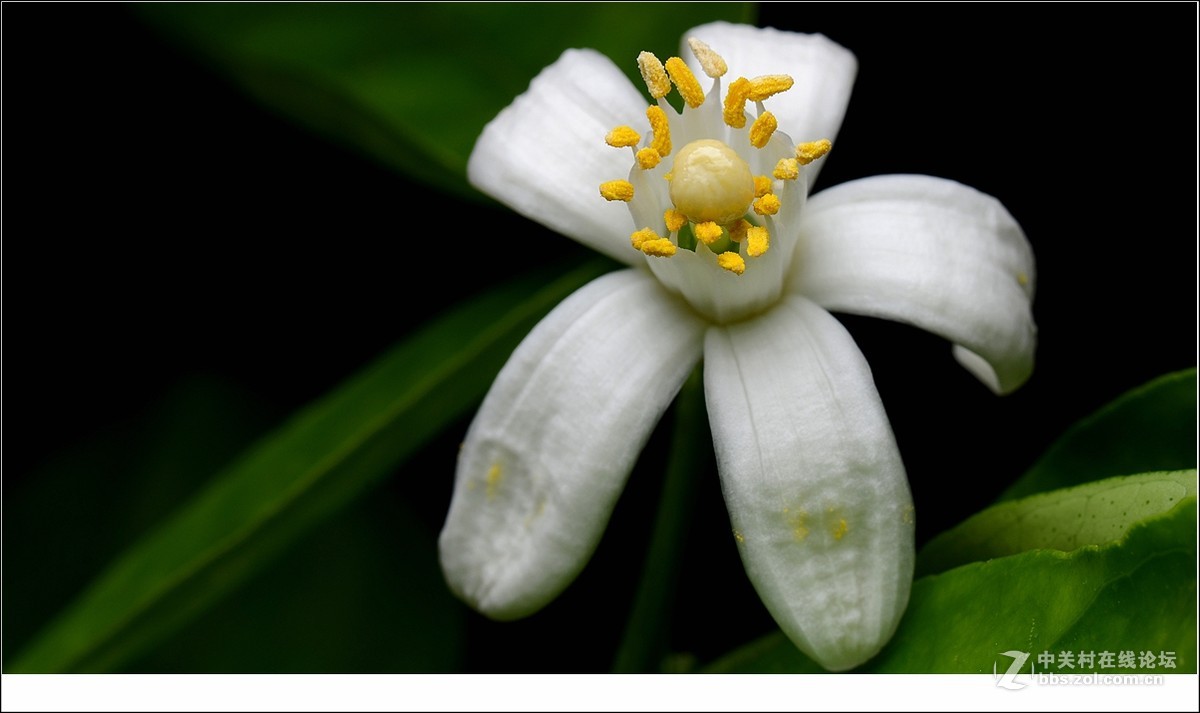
x=759, y=241
x=737, y=230
x=712, y=63
x=738, y=536
x=638, y=237
x=909, y=515
x=617, y=190
x=1022, y=279
x=767, y=204
x=685, y=82
x=648, y=158
x=622, y=137
x=798, y=525
x=840, y=529
x=661, y=130
x=810, y=151
x=659, y=248
x=768, y=86
x=788, y=169
x=732, y=261
x=761, y=130
x=494, y=476
x=674, y=219
x=708, y=232
x=653, y=75
x=762, y=186
x=734, y=112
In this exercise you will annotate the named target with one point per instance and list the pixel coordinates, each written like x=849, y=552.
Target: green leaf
x=1137, y=594
x=1152, y=428
x=310, y=467
x=413, y=84
x=1065, y=520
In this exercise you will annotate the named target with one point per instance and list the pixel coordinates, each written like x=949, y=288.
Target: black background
x=159, y=225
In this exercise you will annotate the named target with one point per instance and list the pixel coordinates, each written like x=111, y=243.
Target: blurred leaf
x=1138, y=594
x=310, y=467
x=1151, y=428
x=1067, y=519
x=413, y=84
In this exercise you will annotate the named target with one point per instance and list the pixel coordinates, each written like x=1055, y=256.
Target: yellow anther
x=654, y=75
x=711, y=62
x=737, y=230
x=759, y=241
x=659, y=248
x=810, y=151
x=735, y=103
x=732, y=261
x=648, y=158
x=622, y=137
x=640, y=237
x=685, y=82
x=617, y=190
x=762, y=186
x=761, y=130
x=674, y=219
x=708, y=232
x=769, y=85
x=767, y=204
x=661, y=130
x=788, y=169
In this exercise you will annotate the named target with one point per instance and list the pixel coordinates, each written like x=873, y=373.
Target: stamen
x=659, y=248
x=788, y=169
x=661, y=130
x=767, y=204
x=737, y=230
x=810, y=151
x=708, y=232
x=654, y=75
x=732, y=261
x=643, y=236
x=760, y=241
x=685, y=82
x=622, y=137
x=735, y=103
x=761, y=130
x=711, y=62
x=769, y=85
x=648, y=158
x=762, y=186
x=617, y=190
x=674, y=219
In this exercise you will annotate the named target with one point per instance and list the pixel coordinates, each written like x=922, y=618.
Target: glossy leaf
x=310, y=467
x=1092, y=514
x=413, y=84
x=1151, y=428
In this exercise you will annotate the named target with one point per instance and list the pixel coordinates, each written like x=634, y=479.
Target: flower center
x=710, y=182
x=718, y=222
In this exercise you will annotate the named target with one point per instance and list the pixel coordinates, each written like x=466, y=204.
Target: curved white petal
x=812, y=478
x=822, y=69
x=550, y=449
x=928, y=252
x=544, y=155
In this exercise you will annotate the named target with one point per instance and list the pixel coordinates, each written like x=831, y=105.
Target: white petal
x=812, y=477
x=928, y=252
x=822, y=69
x=545, y=157
x=556, y=437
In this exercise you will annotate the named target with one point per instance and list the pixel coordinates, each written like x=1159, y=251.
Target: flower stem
x=644, y=643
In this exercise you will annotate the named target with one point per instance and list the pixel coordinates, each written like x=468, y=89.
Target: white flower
x=816, y=491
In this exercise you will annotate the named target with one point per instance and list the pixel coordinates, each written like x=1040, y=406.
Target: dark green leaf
x=413, y=84
x=309, y=468
x=1092, y=514
x=1152, y=428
